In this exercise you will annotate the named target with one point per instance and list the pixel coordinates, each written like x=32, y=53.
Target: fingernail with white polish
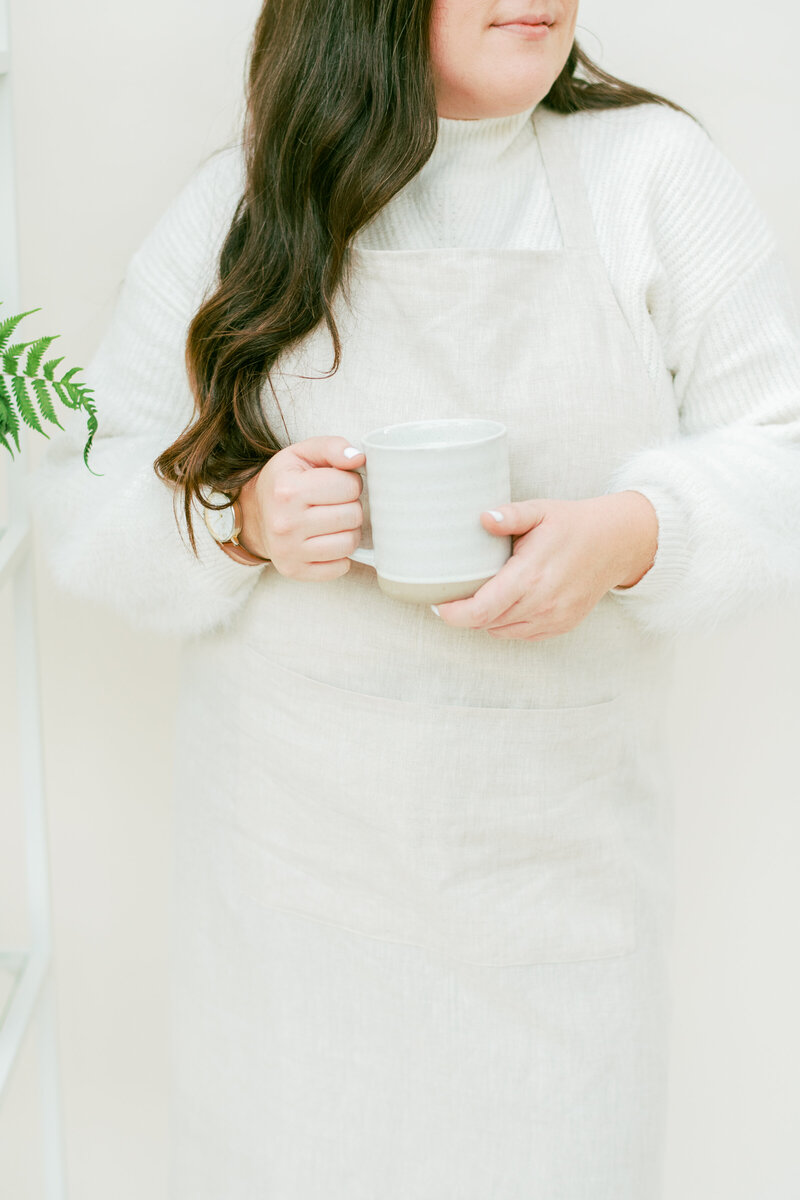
x=351, y=452
x=498, y=516
x=435, y=609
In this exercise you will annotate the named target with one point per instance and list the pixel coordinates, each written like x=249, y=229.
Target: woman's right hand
x=302, y=510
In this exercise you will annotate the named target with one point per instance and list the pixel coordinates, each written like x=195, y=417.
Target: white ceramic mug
x=429, y=482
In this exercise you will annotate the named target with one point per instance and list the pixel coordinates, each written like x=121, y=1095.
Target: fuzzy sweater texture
x=697, y=274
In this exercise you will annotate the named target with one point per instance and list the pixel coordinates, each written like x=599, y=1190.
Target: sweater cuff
x=672, y=560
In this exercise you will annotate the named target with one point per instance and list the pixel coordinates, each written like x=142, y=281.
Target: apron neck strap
x=565, y=178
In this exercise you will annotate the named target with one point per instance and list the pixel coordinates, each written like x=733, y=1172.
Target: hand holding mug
x=302, y=509
x=428, y=482
x=567, y=555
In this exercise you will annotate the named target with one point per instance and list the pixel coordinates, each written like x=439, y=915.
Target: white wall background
x=115, y=105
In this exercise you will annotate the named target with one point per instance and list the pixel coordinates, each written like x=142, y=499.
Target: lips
x=527, y=19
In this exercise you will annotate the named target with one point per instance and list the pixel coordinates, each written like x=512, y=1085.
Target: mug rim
x=499, y=430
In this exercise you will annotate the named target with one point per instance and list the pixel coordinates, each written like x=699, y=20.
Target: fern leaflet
x=16, y=401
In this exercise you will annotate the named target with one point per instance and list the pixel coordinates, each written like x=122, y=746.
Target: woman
x=423, y=859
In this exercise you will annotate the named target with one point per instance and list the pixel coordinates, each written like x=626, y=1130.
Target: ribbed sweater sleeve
x=726, y=490
x=118, y=539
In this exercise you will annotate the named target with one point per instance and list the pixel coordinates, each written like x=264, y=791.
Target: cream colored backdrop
x=115, y=105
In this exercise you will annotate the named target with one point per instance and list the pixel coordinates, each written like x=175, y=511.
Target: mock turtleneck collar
x=485, y=138
x=474, y=184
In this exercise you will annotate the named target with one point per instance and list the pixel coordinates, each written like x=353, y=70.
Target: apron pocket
x=492, y=835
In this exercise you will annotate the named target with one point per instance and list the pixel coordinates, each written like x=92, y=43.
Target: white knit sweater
x=696, y=272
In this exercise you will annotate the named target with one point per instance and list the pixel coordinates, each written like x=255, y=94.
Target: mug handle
x=363, y=554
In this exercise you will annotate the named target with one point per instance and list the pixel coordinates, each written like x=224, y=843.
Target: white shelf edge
x=20, y=1009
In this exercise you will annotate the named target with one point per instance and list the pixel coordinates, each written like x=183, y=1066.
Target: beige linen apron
x=423, y=875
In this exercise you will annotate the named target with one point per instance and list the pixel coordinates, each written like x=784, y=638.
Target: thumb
x=327, y=451
x=516, y=518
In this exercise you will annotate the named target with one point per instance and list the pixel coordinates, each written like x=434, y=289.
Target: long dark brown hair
x=340, y=114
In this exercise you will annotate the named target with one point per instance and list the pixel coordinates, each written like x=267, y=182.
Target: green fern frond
x=74, y=390
x=24, y=403
x=10, y=358
x=49, y=367
x=9, y=422
x=7, y=327
x=91, y=424
x=64, y=396
x=18, y=403
x=36, y=354
x=45, y=403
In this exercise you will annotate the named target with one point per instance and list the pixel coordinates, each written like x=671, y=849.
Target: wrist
x=636, y=525
x=251, y=535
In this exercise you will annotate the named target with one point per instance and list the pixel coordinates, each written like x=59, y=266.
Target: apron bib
x=498, y=802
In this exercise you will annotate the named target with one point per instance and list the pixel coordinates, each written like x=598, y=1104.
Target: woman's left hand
x=566, y=555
